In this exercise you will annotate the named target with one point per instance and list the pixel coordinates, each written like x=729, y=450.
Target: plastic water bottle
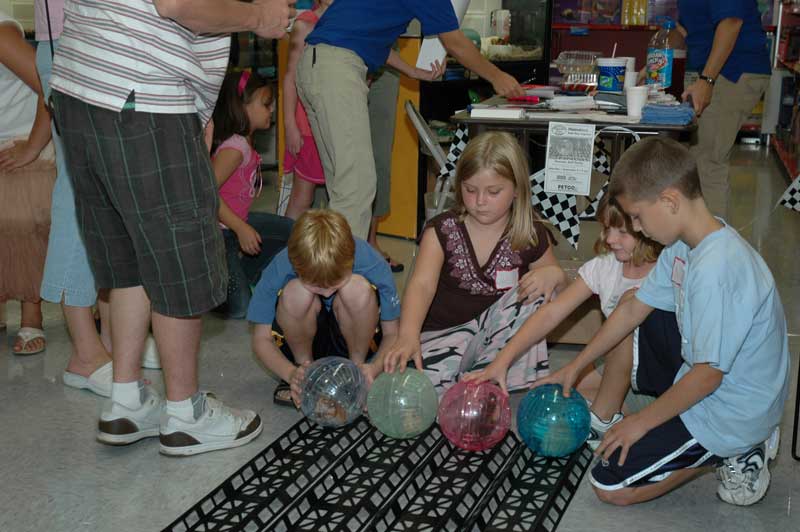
x=666, y=58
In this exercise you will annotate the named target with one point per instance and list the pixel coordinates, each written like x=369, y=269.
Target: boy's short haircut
x=651, y=166
x=610, y=214
x=321, y=248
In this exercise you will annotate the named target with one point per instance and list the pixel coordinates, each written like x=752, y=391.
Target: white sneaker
x=599, y=428
x=120, y=425
x=773, y=443
x=744, y=479
x=150, y=358
x=219, y=427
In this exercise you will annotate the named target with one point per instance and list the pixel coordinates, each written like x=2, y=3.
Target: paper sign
x=568, y=167
x=432, y=49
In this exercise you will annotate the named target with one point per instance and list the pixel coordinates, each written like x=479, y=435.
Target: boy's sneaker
x=120, y=425
x=599, y=429
x=773, y=442
x=744, y=479
x=218, y=427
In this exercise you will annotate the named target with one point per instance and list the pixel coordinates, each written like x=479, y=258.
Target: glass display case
x=525, y=55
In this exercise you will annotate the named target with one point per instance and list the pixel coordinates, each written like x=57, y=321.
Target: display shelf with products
x=607, y=27
x=787, y=56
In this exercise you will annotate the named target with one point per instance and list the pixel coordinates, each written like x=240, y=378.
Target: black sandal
x=278, y=396
x=396, y=267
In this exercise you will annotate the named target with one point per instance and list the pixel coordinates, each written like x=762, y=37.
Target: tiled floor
x=55, y=477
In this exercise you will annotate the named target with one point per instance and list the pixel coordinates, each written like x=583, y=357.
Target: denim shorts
x=68, y=276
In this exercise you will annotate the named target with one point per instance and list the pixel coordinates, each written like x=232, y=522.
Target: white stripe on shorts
x=646, y=471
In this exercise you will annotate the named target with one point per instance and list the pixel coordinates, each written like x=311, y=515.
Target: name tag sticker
x=678, y=270
x=506, y=279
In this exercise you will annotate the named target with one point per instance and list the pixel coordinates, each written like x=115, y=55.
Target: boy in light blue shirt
x=710, y=343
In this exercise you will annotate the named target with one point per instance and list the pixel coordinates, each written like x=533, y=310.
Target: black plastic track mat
x=354, y=478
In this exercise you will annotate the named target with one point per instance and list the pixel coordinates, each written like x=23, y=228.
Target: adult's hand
x=17, y=156
x=436, y=72
x=273, y=17
x=505, y=85
x=700, y=92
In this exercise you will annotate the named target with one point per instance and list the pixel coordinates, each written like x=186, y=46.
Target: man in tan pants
x=727, y=46
x=354, y=37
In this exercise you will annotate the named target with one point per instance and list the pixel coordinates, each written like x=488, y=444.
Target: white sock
x=128, y=394
x=187, y=409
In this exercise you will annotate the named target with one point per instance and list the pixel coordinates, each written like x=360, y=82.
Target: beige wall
x=21, y=10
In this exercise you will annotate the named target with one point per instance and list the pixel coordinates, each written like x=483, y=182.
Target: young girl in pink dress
x=301, y=156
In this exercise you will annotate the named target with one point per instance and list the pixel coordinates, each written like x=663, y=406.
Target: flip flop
x=99, y=382
x=27, y=335
x=280, y=390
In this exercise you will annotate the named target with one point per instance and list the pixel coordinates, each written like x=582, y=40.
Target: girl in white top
x=625, y=258
x=26, y=181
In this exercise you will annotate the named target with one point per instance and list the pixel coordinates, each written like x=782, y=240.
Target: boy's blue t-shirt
x=730, y=316
x=368, y=263
x=700, y=18
x=370, y=27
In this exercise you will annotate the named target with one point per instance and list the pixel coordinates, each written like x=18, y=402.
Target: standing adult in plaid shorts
x=134, y=83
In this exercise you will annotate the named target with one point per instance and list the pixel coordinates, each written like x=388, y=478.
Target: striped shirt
x=110, y=48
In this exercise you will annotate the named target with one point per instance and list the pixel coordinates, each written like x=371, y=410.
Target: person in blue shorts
x=710, y=343
x=324, y=294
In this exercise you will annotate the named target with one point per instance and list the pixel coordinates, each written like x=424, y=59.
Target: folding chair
x=443, y=186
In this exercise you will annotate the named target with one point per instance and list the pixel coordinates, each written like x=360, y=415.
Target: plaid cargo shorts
x=146, y=200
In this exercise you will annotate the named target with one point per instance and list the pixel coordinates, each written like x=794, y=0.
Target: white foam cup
x=636, y=98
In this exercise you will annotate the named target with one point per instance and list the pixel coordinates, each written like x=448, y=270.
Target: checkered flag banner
x=791, y=198
x=602, y=160
x=591, y=211
x=560, y=209
x=600, y=163
x=456, y=149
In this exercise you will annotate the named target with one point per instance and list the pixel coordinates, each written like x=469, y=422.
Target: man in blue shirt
x=352, y=38
x=727, y=46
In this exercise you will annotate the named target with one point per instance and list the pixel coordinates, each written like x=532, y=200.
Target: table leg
x=796, y=413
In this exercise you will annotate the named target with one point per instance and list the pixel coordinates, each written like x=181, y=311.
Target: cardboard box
x=584, y=322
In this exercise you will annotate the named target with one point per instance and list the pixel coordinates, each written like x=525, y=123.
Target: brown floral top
x=465, y=287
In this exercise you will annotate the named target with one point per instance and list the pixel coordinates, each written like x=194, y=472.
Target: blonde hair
x=609, y=214
x=652, y=165
x=500, y=152
x=321, y=248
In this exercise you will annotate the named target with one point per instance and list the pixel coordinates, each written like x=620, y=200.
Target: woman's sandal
x=283, y=394
x=28, y=335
